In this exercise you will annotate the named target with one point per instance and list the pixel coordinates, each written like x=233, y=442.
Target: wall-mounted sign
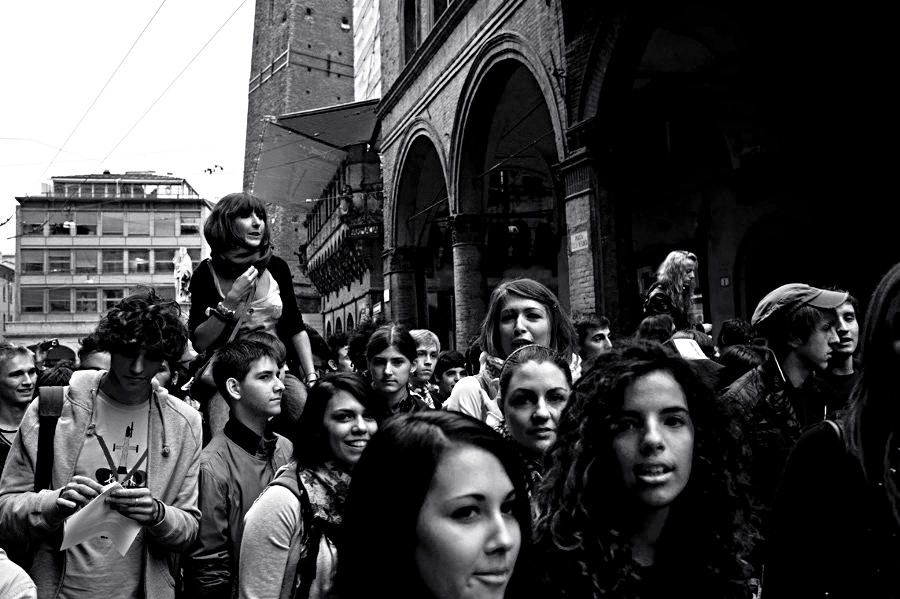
x=579, y=241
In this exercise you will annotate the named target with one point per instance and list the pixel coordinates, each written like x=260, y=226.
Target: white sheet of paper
x=97, y=519
x=689, y=349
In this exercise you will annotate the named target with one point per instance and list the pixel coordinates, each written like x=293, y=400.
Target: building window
x=113, y=223
x=33, y=221
x=410, y=28
x=138, y=260
x=164, y=224
x=190, y=222
x=86, y=300
x=138, y=223
x=111, y=297
x=32, y=300
x=85, y=261
x=85, y=223
x=113, y=263
x=163, y=260
x=32, y=261
x=58, y=221
x=60, y=300
x=59, y=262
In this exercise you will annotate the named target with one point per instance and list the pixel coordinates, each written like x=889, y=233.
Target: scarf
x=327, y=487
x=234, y=261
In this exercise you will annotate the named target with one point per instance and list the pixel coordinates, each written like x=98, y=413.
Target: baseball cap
x=788, y=298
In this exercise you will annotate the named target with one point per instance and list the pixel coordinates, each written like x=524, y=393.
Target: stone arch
x=418, y=269
x=338, y=328
x=505, y=46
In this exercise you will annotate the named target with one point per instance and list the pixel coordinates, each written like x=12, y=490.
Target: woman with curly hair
x=437, y=510
x=836, y=518
x=244, y=284
x=673, y=290
x=521, y=312
x=645, y=496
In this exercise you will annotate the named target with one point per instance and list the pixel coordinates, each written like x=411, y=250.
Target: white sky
x=57, y=55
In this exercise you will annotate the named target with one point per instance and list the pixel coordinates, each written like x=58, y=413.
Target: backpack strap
x=50, y=404
x=306, y=567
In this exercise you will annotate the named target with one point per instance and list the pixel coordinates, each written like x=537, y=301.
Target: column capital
x=400, y=259
x=468, y=228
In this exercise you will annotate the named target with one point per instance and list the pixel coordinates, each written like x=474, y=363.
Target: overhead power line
x=173, y=82
x=100, y=93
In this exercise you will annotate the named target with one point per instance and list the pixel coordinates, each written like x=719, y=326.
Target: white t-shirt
x=116, y=452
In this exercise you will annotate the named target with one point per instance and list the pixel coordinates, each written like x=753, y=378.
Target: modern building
x=84, y=242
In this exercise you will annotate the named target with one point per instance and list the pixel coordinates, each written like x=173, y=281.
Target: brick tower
x=302, y=59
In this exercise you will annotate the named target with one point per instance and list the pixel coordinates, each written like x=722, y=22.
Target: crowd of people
x=549, y=458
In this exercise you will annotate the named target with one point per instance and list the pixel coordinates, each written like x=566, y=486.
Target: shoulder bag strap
x=838, y=428
x=306, y=565
x=50, y=403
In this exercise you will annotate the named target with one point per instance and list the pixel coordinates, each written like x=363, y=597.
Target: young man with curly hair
x=116, y=426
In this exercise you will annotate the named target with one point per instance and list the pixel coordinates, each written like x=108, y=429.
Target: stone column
x=469, y=281
x=400, y=279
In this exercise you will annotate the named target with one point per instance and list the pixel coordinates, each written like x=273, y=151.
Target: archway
x=422, y=231
x=507, y=151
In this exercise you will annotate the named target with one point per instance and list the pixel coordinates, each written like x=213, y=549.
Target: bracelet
x=160, y=512
x=310, y=375
x=226, y=312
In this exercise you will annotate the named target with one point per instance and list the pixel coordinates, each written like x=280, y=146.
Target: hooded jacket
x=173, y=462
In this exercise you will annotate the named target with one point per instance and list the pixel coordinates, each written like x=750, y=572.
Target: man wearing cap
x=776, y=401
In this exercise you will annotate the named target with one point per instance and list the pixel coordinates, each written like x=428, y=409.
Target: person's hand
x=135, y=503
x=77, y=493
x=242, y=286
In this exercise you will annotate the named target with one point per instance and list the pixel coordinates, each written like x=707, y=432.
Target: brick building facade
x=578, y=143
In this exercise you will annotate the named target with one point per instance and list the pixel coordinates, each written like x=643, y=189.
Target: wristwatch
x=221, y=312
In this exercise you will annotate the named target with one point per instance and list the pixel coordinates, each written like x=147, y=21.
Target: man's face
x=449, y=379
x=596, y=342
x=17, y=379
x=847, y=330
x=426, y=357
x=816, y=350
x=344, y=364
x=131, y=371
x=261, y=390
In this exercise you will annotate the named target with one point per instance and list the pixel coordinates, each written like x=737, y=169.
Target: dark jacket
x=660, y=302
x=234, y=469
x=204, y=295
x=832, y=533
x=772, y=414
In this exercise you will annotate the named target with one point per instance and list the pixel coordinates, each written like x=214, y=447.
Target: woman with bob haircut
x=836, y=518
x=520, y=312
x=673, y=291
x=288, y=549
x=645, y=496
x=437, y=509
x=535, y=384
x=391, y=355
x=244, y=282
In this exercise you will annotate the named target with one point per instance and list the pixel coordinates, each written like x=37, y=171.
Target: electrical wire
x=100, y=93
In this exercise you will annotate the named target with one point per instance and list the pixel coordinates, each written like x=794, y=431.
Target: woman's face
x=250, y=229
x=523, y=322
x=348, y=426
x=467, y=536
x=390, y=370
x=535, y=397
x=690, y=266
x=654, y=440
